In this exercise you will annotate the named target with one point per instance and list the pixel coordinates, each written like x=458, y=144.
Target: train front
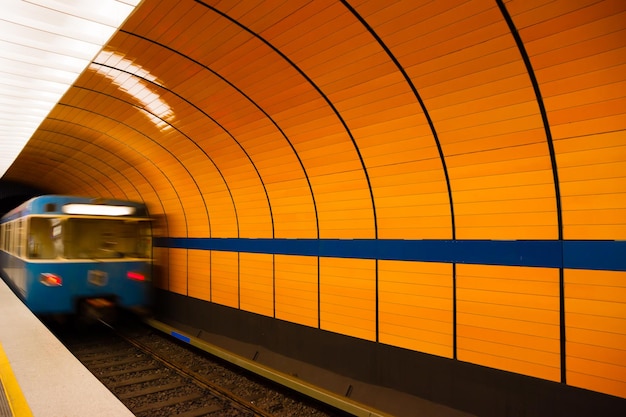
x=92, y=258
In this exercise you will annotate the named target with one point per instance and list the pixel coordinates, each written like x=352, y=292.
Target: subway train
x=68, y=256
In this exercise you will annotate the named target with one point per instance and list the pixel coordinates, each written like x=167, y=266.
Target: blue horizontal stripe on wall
x=584, y=254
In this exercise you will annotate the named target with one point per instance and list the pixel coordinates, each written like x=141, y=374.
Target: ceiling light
x=44, y=46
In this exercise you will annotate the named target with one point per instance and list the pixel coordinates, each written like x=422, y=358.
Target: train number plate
x=98, y=278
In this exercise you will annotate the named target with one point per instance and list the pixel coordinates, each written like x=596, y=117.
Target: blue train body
x=59, y=251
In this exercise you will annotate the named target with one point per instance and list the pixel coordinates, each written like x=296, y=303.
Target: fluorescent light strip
x=44, y=46
x=98, y=210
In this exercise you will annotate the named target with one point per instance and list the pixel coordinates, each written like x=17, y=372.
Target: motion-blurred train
x=63, y=255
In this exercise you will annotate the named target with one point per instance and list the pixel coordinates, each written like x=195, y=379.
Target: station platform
x=39, y=377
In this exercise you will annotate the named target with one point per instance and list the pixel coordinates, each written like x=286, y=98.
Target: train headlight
x=50, y=280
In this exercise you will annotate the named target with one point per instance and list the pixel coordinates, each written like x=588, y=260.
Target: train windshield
x=88, y=238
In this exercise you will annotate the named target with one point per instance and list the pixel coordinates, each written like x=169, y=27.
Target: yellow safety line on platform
x=17, y=402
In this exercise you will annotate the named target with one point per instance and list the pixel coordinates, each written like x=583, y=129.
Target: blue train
x=64, y=254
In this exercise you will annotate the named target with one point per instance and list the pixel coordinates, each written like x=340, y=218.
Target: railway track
x=155, y=375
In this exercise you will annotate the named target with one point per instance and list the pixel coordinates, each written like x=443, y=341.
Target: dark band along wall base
x=475, y=389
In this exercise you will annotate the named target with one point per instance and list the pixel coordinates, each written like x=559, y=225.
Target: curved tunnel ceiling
x=352, y=119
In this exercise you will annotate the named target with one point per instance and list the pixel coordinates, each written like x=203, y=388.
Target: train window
x=19, y=233
x=106, y=238
x=40, y=242
x=9, y=237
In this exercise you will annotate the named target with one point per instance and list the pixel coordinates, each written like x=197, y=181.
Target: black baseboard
x=474, y=389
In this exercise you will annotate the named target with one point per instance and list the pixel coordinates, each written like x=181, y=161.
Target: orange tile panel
x=511, y=312
x=506, y=198
x=599, y=140
x=512, y=180
x=524, y=317
x=608, y=386
x=420, y=330
x=607, y=278
x=199, y=265
x=593, y=232
x=466, y=23
x=493, y=74
x=583, y=320
x=579, y=50
x=392, y=227
x=423, y=345
x=498, y=129
x=418, y=171
x=529, y=13
x=594, y=201
x=595, y=308
x=415, y=306
x=595, y=337
x=615, y=307
x=595, y=186
x=547, y=348
x=178, y=272
x=428, y=202
x=410, y=142
x=510, y=346
x=347, y=296
x=499, y=223
x=594, y=155
x=256, y=283
x=332, y=166
x=548, y=331
x=538, y=163
x=345, y=91
x=224, y=278
x=501, y=101
x=296, y=281
x=506, y=115
x=613, y=376
x=539, y=284
x=592, y=111
x=402, y=13
x=384, y=114
x=591, y=218
x=497, y=152
x=597, y=88
x=592, y=171
x=587, y=23
x=518, y=362
x=615, y=356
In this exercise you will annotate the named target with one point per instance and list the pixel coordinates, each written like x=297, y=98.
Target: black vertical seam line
x=454, y=314
x=77, y=150
x=444, y=166
x=306, y=176
x=557, y=189
x=376, y=302
x=319, y=91
x=319, y=294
